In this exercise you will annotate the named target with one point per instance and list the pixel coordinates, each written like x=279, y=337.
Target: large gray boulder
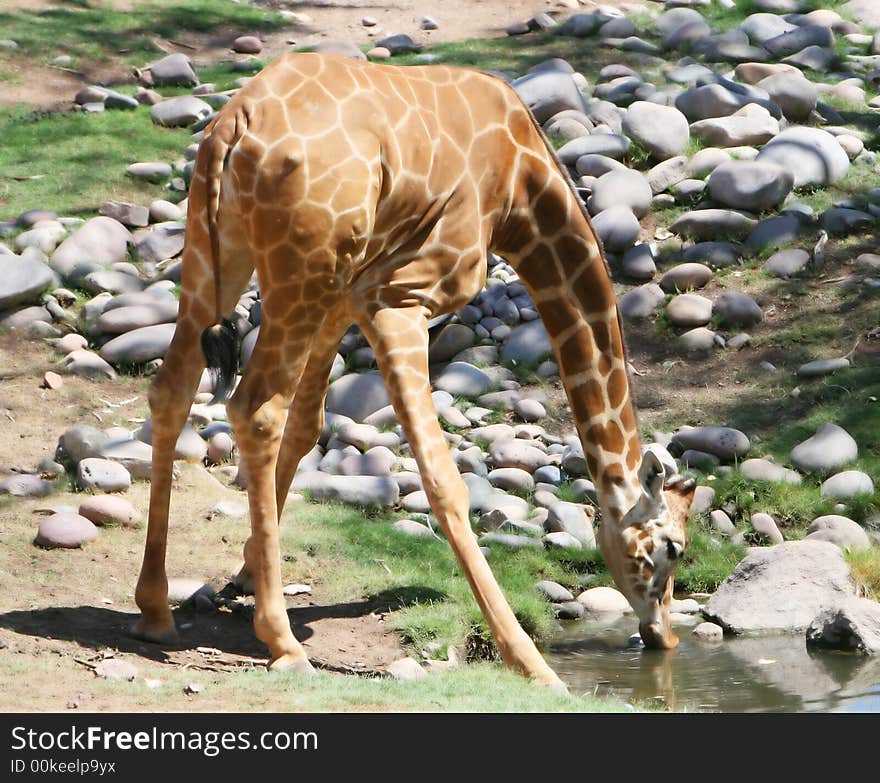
x=98, y=243
x=527, y=344
x=180, y=112
x=357, y=396
x=854, y=624
x=22, y=280
x=662, y=130
x=139, y=345
x=726, y=443
x=830, y=448
x=755, y=186
x=356, y=490
x=781, y=589
x=549, y=92
x=175, y=69
x=812, y=155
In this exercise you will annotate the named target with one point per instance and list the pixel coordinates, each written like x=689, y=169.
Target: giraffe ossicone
x=372, y=194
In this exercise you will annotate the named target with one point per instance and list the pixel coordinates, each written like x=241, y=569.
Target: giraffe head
x=644, y=549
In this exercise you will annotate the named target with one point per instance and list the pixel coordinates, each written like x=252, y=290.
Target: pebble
x=95, y=474
x=110, y=510
x=846, y=484
x=65, y=531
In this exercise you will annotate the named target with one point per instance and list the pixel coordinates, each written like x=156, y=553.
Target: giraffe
x=371, y=194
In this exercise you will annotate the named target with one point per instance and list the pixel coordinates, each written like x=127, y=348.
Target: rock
x=709, y=632
x=512, y=480
x=604, y=600
x=831, y=447
x=190, y=446
x=22, y=280
x=667, y=173
x=617, y=227
x=725, y=443
x=342, y=48
x=412, y=528
x=712, y=100
x=689, y=310
x=554, y=592
x=100, y=241
x=517, y=453
x=357, y=395
x=464, y=380
x=161, y=211
x=775, y=231
x=750, y=125
x=751, y=185
x=356, y=490
x=611, y=145
x=766, y=526
x=845, y=485
x=811, y=154
x=708, y=223
x=164, y=241
x=451, y=340
x=247, y=44
x=116, y=669
x=641, y=302
x=853, y=624
x=110, y=510
x=88, y=364
x=638, y=262
x=25, y=485
x=797, y=39
x=703, y=499
x=527, y=344
x=840, y=220
x=175, y=69
x=698, y=340
x=120, y=320
x=737, y=309
x=838, y=530
x=406, y=670
x=569, y=610
x=181, y=111
x=574, y=519
x=765, y=470
x=721, y=522
x=714, y=254
x=820, y=367
x=44, y=236
x=65, y=531
x=781, y=589
x=510, y=541
x=763, y=27
x=786, y=263
x=139, y=345
x=549, y=92
x=684, y=277
x=562, y=540
x=94, y=473
x=621, y=189
x=131, y=215
x=793, y=93
x=662, y=130
x=399, y=44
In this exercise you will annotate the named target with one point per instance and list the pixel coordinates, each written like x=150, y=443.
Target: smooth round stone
x=787, y=263
x=698, y=340
x=721, y=522
x=94, y=473
x=180, y=111
x=684, y=277
x=604, y=600
x=851, y=145
x=410, y=527
x=22, y=280
x=841, y=220
x=161, y=211
x=190, y=446
x=220, y=447
x=357, y=395
x=688, y=190
x=775, y=231
x=638, y=262
x=705, y=161
x=100, y=241
x=845, y=485
x=175, y=69
x=569, y=610
x=764, y=470
x=737, y=309
x=517, y=453
x=689, y=310
x=139, y=345
x=65, y=531
x=181, y=589
x=709, y=632
x=667, y=173
x=247, y=44
x=548, y=474
x=766, y=526
x=839, y=530
x=511, y=479
x=820, y=367
x=641, y=302
x=548, y=92
x=617, y=227
x=527, y=343
x=831, y=447
x=25, y=485
x=611, y=145
x=708, y=223
x=726, y=443
x=598, y=165
x=793, y=93
x=110, y=510
x=152, y=171
x=662, y=130
x=529, y=410
x=463, y=379
x=562, y=540
x=750, y=185
x=510, y=541
x=714, y=254
x=451, y=340
x=812, y=155
x=554, y=592
x=618, y=189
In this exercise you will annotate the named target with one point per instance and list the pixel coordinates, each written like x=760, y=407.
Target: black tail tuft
x=220, y=344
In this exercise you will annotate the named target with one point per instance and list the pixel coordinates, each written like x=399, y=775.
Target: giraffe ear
x=652, y=474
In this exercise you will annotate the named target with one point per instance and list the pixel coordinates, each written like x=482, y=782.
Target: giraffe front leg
x=258, y=412
x=400, y=341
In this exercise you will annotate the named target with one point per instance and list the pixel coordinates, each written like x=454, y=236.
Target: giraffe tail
x=221, y=341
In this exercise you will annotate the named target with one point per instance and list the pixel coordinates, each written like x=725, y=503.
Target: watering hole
x=740, y=674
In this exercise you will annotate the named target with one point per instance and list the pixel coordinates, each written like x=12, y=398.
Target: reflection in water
x=758, y=674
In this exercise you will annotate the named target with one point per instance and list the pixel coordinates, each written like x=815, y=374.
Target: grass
x=101, y=33
x=82, y=159
x=864, y=566
x=708, y=561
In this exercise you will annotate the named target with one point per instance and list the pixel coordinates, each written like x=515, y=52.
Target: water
x=759, y=674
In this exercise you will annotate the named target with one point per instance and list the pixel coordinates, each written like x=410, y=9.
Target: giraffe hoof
x=551, y=681
x=295, y=664
x=166, y=636
x=243, y=582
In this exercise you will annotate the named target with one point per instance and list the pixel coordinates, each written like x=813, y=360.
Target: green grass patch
x=82, y=159
x=707, y=562
x=864, y=565
x=101, y=33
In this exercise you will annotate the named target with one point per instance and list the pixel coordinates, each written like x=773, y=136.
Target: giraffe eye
x=674, y=550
